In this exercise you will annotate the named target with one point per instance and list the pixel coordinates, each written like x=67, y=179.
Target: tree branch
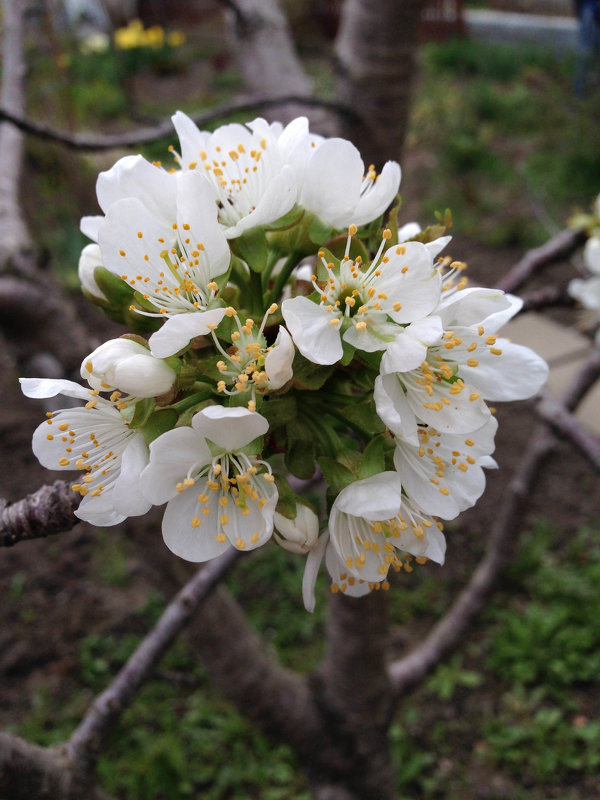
x=30, y=772
x=85, y=743
x=449, y=631
x=558, y=247
x=566, y=424
x=139, y=136
x=48, y=510
x=545, y=297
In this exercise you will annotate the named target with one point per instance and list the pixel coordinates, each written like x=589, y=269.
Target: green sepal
x=433, y=232
x=372, y=360
x=392, y=220
x=330, y=258
x=279, y=410
x=373, y=459
x=319, y=231
x=336, y=475
x=288, y=220
x=347, y=354
x=158, y=423
x=143, y=410
x=253, y=248
x=308, y=375
x=286, y=504
x=116, y=290
x=350, y=458
x=300, y=450
x=364, y=416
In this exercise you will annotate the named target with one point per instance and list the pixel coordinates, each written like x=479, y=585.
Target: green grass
x=509, y=138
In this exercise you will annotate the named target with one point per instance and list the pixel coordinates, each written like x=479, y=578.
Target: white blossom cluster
x=587, y=290
x=279, y=328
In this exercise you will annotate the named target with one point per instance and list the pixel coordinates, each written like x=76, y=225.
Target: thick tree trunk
x=376, y=48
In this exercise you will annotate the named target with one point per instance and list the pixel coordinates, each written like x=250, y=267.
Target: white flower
x=128, y=366
x=216, y=496
x=89, y=259
x=251, y=183
x=250, y=365
x=171, y=265
x=444, y=474
x=297, y=535
x=411, y=230
x=366, y=307
x=332, y=181
x=370, y=521
x=96, y=440
x=587, y=291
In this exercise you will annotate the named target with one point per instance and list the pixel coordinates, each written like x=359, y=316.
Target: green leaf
x=364, y=415
x=279, y=410
x=350, y=458
x=252, y=247
x=308, y=375
x=158, y=423
x=348, y=353
x=300, y=452
x=143, y=409
x=336, y=475
x=373, y=459
x=286, y=504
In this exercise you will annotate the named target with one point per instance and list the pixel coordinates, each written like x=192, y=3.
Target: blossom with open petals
x=443, y=473
x=366, y=307
x=96, y=440
x=371, y=524
x=172, y=265
x=333, y=183
x=252, y=184
x=217, y=494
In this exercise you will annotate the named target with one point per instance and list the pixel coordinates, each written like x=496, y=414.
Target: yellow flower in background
x=135, y=35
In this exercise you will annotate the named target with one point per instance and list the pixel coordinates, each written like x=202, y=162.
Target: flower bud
x=297, y=535
x=89, y=259
x=128, y=366
x=278, y=363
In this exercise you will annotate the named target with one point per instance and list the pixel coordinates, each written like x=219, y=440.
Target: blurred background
x=504, y=130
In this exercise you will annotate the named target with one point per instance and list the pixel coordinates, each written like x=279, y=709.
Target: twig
x=48, y=510
x=544, y=297
x=80, y=141
x=449, y=631
x=564, y=423
x=560, y=246
x=86, y=741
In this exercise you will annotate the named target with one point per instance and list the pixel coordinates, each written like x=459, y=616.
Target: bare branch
x=545, y=297
x=139, y=136
x=48, y=510
x=559, y=247
x=86, y=741
x=30, y=772
x=449, y=631
x=567, y=425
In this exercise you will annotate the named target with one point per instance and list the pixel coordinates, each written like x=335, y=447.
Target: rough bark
x=376, y=50
x=49, y=510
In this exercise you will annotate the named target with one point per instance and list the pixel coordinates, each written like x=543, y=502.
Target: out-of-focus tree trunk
x=264, y=51
x=376, y=48
x=14, y=238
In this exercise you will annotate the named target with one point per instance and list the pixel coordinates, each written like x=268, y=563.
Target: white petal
x=591, y=254
x=393, y=409
x=278, y=362
x=127, y=497
x=89, y=259
x=311, y=570
x=172, y=455
x=471, y=306
x=90, y=226
x=133, y=176
x=178, y=331
x=377, y=198
x=333, y=182
x=317, y=340
x=437, y=245
x=49, y=387
x=375, y=498
x=197, y=208
x=350, y=585
x=192, y=544
x=516, y=374
x=278, y=198
x=229, y=428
